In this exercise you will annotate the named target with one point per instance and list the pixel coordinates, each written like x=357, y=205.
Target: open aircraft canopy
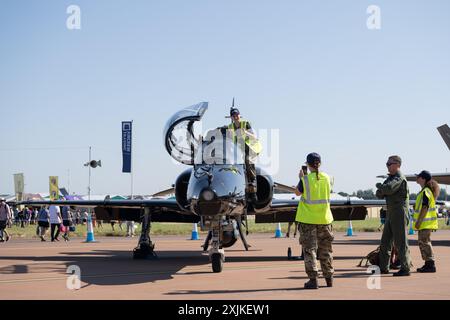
x=179, y=138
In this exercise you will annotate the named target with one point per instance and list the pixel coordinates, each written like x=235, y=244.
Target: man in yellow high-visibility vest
x=243, y=135
x=315, y=218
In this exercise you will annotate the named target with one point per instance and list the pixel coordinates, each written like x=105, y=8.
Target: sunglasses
x=388, y=164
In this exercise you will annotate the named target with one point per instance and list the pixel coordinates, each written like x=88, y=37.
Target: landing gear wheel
x=217, y=262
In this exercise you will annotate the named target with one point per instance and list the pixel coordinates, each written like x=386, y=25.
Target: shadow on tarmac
x=116, y=267
x=206, y=292
x=113, y=267
x=376, y=242
x=107, y=267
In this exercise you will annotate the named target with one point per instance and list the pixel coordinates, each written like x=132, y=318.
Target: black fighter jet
x=212, y=191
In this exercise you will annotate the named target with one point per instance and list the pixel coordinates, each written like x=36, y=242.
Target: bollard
x=90, y=230
x=350, y=229
x=278, y=233
x=411, y=221
x=194, y=235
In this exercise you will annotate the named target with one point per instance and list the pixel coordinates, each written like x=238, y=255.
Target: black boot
x=329, y=282
x=396, y=265
x=312, y=284
x=402, y=273
x=429, y=267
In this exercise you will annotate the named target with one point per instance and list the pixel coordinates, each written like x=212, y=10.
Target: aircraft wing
x=284, y=188
x=441, y=178
x=164, y=193
x=444, y=131
x=342, y=210
x=162, y=210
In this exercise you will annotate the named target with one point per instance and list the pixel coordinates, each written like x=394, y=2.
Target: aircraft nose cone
x=207, y=195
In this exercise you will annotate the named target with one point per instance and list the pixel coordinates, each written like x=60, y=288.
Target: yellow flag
x=54, y=190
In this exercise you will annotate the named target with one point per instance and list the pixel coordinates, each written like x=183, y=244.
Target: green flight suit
x=395, y=190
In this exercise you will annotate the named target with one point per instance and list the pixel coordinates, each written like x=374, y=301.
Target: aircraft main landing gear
x=145, y=248
x=144, y=251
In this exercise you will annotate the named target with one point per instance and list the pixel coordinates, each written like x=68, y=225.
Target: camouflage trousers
x=425, y=245
x=316, y=240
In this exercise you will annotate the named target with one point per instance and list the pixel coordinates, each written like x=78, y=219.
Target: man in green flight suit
x=395, y=190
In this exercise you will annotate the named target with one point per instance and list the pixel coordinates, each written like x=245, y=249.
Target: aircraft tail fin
x=444, y=130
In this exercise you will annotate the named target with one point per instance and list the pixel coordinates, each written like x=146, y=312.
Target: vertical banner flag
x=54, y=190
x=126, y=146
x=19, y=186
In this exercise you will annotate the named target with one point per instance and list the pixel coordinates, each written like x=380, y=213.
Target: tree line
x=369, y=194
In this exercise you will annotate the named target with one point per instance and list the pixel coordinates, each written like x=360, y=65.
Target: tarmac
x=30, y=269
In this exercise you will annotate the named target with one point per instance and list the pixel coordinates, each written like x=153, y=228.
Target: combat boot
x=402, y=273
x=312, y=284
x=329, y=282
x=429, y=267
x=396, y=265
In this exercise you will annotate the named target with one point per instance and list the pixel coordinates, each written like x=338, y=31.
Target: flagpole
x=68, y=181
x=131, y=171
x=89, y=186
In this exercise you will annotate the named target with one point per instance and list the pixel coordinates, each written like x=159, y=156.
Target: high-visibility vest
x=251, y=142
x=314, y=205
x=430, y=221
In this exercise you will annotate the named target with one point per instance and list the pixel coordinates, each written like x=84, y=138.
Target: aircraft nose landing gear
x=217, y=260
x=216, y=253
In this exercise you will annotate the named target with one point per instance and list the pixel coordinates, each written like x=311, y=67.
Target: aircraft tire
x=217, y=262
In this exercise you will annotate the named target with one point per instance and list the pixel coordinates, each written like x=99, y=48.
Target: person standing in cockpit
x=243, y=135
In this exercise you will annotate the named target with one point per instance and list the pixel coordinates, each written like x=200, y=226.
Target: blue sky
x=311, y=69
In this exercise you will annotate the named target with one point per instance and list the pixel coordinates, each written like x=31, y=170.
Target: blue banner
x=126, y=145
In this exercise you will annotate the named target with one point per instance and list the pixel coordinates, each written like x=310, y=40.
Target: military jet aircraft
x=212, y=191
x=442, y=178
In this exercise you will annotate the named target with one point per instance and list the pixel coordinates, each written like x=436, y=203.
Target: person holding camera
x=315, y=218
